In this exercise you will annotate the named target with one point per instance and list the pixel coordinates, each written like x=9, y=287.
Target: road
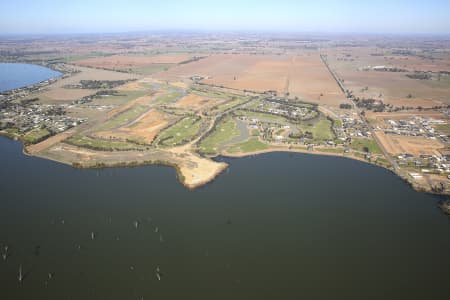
x=363, y=118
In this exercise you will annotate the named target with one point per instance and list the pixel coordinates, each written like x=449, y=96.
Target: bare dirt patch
x=405, y=115
x=416, y=146
x=144, y=129
x=193, y=101
x=33, y=149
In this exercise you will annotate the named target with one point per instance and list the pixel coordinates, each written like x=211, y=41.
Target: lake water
x=16, y=75
x=275, y=226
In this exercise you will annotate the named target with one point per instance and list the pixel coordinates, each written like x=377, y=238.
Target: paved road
x=363, y=118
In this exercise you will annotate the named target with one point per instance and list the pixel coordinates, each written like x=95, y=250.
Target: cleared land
x=56, y=93
x=405, y=115
x=302, y=76
x=196, y=102
x=142, y=130
x=416, y=146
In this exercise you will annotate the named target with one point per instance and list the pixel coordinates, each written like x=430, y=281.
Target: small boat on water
x=158, y=274
x=20, y=277
x=92, y=235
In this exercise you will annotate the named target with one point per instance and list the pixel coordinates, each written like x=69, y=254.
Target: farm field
x=302, y=76
x=354, y=67
x=173, y=100
x=57, y=93
x=142, y=64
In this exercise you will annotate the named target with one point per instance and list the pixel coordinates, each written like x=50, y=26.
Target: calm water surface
x=275, y=226
x=16, y=75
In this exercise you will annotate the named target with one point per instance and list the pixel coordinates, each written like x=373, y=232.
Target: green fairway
x=361, y=145
x=122, y=97
x=169, y=97
x=181, y=132
x=263, y=117
x=228, y=105
x=35, y=135
x=223, y=132
x=123, y=118
x=250, y=145
x=320, y=129
x=102, y=145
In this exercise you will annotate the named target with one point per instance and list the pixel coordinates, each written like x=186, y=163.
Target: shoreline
x=183, y=171
x=33, y=85
x=406, y=179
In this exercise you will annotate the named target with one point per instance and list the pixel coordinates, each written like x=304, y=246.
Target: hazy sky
x=352, y=16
